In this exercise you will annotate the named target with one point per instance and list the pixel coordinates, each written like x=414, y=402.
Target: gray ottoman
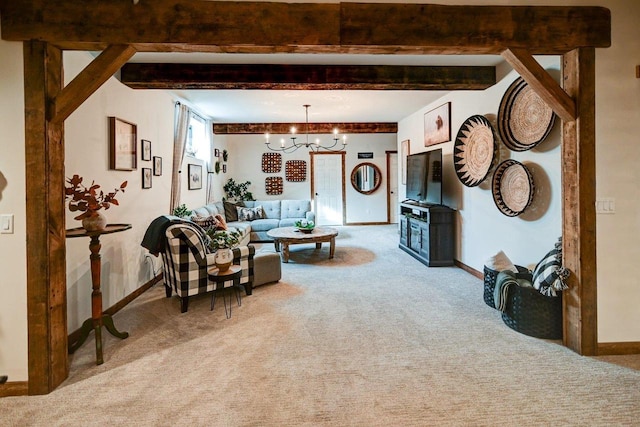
x=266, y=267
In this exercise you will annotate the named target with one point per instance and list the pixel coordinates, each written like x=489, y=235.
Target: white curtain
x=211, y=164
x=182, y=117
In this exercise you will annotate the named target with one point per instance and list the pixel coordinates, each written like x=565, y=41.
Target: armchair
x=186, y=262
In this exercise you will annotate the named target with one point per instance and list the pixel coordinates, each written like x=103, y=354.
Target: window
x=197, y=144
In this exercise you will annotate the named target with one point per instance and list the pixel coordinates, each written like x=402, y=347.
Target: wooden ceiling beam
x=89, y=80
x=542, y=83
x=305, y=77
x=260, y=27
x=314, y=128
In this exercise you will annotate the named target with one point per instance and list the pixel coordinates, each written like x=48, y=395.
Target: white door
x=392, y=185
x=327, y=187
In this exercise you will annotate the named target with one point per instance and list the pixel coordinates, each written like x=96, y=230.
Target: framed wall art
x=146, y=149
x=195, y=177
x=404, y=152
x=437, y=125
x=146, y=177
x=157, y=165
x=123, y=139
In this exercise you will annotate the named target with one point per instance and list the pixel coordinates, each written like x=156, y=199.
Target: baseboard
x=468, y=269
x=367, y=223
x=618, y=348
x=15, y=388
x=73, y=336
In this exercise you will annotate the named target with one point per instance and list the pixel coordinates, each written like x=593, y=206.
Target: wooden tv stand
x=426, y=233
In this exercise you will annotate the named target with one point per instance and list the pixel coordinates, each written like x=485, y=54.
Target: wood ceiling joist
x=305, y=77
x=314, y=128
x=192, y=25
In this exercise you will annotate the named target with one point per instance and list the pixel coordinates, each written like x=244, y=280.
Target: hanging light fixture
x=316, y=146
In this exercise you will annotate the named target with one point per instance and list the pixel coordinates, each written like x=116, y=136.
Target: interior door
x=392, y=186
x=328, y=188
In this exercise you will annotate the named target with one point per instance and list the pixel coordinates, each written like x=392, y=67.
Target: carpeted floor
x=370, y=338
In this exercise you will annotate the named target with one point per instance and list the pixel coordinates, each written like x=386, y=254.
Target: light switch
x=606, y=205
x=6, y=224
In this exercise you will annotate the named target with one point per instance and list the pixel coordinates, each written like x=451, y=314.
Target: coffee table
x=285, y=236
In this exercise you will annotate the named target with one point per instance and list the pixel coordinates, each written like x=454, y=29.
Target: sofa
x=261, y=216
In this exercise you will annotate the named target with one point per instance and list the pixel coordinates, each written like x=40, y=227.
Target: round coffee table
x=285, y=236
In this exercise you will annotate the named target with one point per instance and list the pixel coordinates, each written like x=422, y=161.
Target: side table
x=98, y=318
x=219, y=277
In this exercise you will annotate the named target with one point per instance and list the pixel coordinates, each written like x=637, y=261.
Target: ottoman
x=266, y=267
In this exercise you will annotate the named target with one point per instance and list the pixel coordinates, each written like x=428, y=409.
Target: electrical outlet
x=6, y=224
x=606, y=205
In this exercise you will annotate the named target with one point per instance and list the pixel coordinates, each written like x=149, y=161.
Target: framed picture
x=123, y=139
x=157, y=165
x=216, y=153
x=404, y=152
x=224, y=168
x=195, y=177
x=437, y=125
x=146, y=149
x=146, y=177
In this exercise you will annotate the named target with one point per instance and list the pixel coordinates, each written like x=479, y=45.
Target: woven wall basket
x=512, y=187
x=475, y=150
x=524, y=119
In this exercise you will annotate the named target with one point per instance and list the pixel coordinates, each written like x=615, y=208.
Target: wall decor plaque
x=271, y=162
x=474, y=150
x=524, y=119
x=295, y=170
x=273, y=185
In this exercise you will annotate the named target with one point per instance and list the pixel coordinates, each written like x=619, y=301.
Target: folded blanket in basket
x=505, y=279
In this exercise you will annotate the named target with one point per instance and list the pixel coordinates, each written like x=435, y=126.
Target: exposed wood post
x=89, y=80
x=541, y=82
x=46, y=252
x=579, y=191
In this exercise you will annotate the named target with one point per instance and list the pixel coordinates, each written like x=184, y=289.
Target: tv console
x=426, y=232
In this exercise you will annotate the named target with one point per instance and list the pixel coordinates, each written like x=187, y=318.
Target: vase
x=95, y=222
x=223, y=259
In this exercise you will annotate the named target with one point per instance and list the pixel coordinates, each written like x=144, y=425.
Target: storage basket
x=531, y=313
x=490, y=277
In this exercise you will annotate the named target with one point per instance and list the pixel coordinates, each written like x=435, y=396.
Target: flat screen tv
x=424, y=177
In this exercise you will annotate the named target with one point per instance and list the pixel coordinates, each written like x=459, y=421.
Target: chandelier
x=316, y=146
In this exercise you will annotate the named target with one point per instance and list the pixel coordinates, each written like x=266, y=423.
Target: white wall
x=124, y=268
x=482, y=230
x=13, y=261
x=245, y=164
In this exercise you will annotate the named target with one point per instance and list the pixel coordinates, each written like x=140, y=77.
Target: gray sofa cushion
x=295, y=208
x=271, y=208
x=264, y=224
x=209, y=210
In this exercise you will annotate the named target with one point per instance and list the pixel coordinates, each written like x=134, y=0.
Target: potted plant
x=89, y=201
x=222, y=241
x=182, y=211
x=237, y=191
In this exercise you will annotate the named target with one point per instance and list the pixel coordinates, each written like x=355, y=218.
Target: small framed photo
x=195, y=177
x=157, y=165
x=224, y=168
x=437, y=125
x=146, y=149
x=146, y=177
x=123, y=137
x=216, y=153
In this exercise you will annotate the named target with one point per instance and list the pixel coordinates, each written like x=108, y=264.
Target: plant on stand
x=89, y=201
x=222, y=241
x=237, y=191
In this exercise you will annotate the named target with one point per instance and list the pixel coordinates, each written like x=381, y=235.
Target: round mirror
x=366, y=178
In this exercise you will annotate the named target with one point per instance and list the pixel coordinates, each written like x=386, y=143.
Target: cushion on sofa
x=271, y=207
x=205, y=222
x=264, y=224
x=230, y=212
x=294, y=208
x=250, y=214
x=209, y=210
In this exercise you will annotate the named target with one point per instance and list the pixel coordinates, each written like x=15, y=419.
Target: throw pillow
x=250, y=214
x=230, y=211
x=205, y=222
x=222, y=223
x=549, y=275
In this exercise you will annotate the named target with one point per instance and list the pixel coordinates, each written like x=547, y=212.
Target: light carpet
x=370, y=338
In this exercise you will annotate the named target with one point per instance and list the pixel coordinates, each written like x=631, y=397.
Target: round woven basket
x=524, y=119
x=474, y=150
x=512, y=187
